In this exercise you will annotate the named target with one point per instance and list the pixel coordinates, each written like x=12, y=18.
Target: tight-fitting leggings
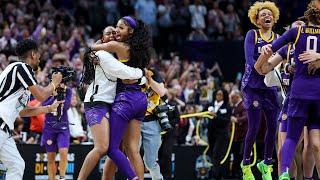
x=127, y=106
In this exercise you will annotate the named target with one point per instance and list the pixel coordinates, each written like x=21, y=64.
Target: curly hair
x=312, y=14
x=258, y=6
x=225, y=95
x=139, y=45
x=25, y=46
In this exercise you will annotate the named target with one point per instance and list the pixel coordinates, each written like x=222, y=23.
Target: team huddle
x=290, y=62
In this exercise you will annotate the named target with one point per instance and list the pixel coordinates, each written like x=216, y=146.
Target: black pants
x=165, y=154
x=219, y=143
x=237, y=152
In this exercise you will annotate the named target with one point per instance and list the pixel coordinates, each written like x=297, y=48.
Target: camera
x=68, y=74
x=161, y=111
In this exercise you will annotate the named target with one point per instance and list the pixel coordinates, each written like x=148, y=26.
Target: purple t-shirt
x=253, y=43
x=304, y=85
x=51, y=121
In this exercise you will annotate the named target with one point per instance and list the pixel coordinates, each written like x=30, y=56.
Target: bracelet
x=54, y=86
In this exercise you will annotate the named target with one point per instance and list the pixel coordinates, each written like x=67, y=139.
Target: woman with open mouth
x=258, y=98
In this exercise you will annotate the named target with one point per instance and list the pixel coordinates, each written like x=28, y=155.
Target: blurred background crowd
x=64, y=27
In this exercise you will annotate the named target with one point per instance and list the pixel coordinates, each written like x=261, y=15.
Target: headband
x=132, y=23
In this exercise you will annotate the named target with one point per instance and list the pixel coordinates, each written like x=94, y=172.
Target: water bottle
x=3, y=171
x=172, y=165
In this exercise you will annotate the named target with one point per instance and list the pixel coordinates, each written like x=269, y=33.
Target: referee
x=17, y=83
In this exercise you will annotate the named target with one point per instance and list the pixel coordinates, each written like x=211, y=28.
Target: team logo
x=284, y=117
x=49, y=142
x=255, y=103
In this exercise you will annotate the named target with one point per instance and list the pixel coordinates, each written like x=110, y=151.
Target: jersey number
x=314, y=41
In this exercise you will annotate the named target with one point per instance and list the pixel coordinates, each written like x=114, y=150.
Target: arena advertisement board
x=186, y=164
x=35, y=158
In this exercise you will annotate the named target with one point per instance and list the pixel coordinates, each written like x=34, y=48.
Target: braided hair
x=88, y=73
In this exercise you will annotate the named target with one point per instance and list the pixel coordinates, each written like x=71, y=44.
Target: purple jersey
x=51, y=120
x=124, y=87
x=304, y=85
x=253, y=43
x=287, y=53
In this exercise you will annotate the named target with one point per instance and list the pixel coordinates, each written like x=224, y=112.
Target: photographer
x=56, y=133
x=150, y=127
x=17, y=84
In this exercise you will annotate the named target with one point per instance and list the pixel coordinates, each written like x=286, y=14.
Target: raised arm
x=27, y=79
x=112, y=47
x=290, y=36
x=113, y=67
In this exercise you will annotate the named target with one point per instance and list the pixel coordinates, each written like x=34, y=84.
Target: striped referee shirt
x=14, y=94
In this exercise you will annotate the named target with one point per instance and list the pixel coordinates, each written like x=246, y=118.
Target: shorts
x=95, y=111
x=130, y=105
x=310, y=109
x=53, y=140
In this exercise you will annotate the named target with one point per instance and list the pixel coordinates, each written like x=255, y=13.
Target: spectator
x=17, y=132
x=197, y=35
x=219, y=131
x=215, y=22
x=75, y=119
x=165, y=26
x=198, y=11
x=113, y=14
x=181, y=20
x=146, y=10
x=36, y=124
x=231, y=21
x=7, y=43
x=239, y=117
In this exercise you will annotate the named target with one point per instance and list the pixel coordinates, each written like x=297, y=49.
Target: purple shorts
x=95, y=111
x=309, y=109
x=53, y=139
x=130, y=105
x=260, y=98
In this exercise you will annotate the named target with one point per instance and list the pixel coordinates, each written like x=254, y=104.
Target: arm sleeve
x=283, y=52
x=117, y=69
x=287, y=37
x=26, y=76
x=243, y=116
x=249, y=45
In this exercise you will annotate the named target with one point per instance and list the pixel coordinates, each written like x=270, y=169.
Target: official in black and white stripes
x=17, y=83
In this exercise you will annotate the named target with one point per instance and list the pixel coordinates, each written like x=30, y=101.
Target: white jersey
x=14, y=96
x=106, y=74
